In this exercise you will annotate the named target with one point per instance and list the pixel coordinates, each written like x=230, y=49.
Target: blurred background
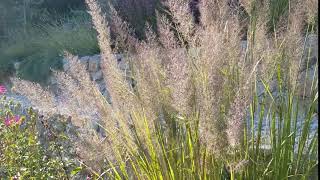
x=34, y=33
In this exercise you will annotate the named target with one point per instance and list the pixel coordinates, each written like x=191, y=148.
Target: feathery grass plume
x=128, y=109
x=121, y=97
x=286, y=45
x=178, y=75
x=125, y=42
x=297, y=49
x=294, y=44
x=94, y=151
x=166, y=35
x=70, y=103
x=182, y=18
x=213, y=12
x=221, y=69
x=79, y=94
x=261, y=48
x=40, y=98
x=238, y=82
x=250, y=4
x=91, y=105
x=178, y=80
x=91, y=100
x=213, y=62
x=311, y=7
x=149, y=76
x=236, y=114
x=127, y=106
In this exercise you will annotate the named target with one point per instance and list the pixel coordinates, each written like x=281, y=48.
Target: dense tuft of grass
x=280, y=151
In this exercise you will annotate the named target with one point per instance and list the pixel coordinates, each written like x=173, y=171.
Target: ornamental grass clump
x=193, y=107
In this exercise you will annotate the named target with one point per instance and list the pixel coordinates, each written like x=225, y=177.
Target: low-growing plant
x=22, y=156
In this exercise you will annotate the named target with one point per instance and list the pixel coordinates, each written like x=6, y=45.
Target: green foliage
x=172, y=153
x=43, y=47
x=62, y=5
x=21, y=152
x=278, y=8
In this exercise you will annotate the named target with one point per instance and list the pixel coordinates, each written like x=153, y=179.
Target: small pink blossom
x=3, y=90
x=8, y=121
x=12, y=120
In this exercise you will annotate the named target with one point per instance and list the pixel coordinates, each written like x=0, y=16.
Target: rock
x=123, y=66
x=310, y=55
x=97, y=75
x=84, y=60
x=66, y=64
x=101, y=85
x=243, y=46
x=118, y=57
x=106, y=94
x=71, y=130
x=305, y=82
x=94, y=63
x=272, y=88
x=53, y=85
x=17, y=65
x=103, y=89
x=96, y=125
x=52, y=80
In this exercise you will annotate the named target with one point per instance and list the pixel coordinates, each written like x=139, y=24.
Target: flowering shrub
x=21, y=154
x=12, y=120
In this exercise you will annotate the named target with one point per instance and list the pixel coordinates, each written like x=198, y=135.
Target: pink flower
x=3, y=90
x=12, y=120
x=8, y=121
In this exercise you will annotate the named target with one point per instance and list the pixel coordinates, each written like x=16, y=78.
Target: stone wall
x=93, y=66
